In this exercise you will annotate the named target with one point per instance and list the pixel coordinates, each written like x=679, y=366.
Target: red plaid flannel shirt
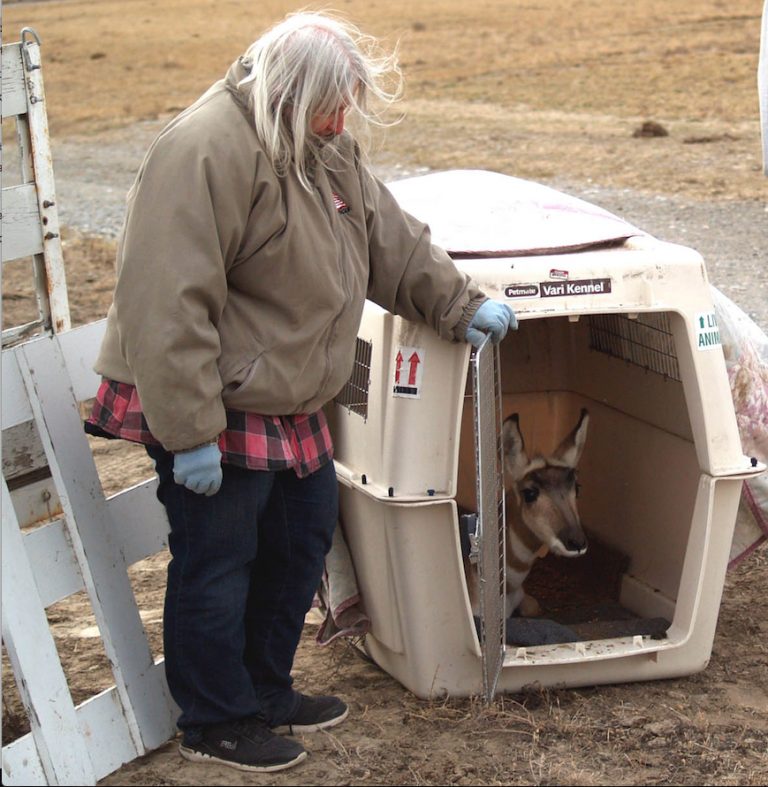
x=257, y=442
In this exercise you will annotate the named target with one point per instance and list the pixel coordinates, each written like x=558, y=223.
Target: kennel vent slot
x=354, y=394
x=645, y=341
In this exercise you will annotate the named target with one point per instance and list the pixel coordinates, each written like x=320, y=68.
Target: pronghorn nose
x=573, y=545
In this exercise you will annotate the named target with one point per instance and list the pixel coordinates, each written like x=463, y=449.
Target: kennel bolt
x=391, y=491
x=48, y=203
x=364, y=479
x=753, y=460
x=431, y=492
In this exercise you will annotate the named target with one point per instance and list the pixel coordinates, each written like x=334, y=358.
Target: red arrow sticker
x=409, y=370
x=398, y=366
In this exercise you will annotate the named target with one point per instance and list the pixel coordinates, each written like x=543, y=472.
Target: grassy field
x=553, y=88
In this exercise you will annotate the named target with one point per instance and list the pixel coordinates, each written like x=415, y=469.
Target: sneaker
x=247, y=744
x=313, y=714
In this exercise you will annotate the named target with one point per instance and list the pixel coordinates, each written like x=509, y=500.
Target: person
x=254, y=233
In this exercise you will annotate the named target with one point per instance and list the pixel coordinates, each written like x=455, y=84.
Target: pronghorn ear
x=515, y=458
x=569, y=451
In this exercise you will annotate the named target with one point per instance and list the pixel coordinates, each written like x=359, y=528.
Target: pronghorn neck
x=522, y=548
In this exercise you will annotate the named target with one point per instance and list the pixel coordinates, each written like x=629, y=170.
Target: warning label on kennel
x=409, y=370
x=558, y=289
x=707, y=332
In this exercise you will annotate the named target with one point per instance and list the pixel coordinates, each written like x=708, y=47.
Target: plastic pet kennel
x=610, y=319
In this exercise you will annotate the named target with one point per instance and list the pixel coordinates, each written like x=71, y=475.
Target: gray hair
x=314, y=64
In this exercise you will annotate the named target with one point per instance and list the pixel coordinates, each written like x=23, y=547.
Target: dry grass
x=117, y=61
x=498, y=84
x=90, y=277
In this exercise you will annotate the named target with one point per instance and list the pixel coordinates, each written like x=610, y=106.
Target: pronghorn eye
x=530, y=494
x=571, y=478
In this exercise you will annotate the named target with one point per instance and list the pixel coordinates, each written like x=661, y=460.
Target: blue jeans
x=245, y=565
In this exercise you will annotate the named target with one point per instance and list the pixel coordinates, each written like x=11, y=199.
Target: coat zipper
x=333, y=220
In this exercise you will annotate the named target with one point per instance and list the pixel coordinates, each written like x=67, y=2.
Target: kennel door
x=486, y=396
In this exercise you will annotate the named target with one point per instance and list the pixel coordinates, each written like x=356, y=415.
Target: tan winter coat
x=238, y=289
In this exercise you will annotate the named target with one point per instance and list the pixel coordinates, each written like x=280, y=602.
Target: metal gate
x=486, y=394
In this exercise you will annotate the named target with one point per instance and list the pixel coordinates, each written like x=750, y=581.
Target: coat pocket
x=239, y=380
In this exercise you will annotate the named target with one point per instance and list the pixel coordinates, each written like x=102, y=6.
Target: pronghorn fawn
x=541, y=511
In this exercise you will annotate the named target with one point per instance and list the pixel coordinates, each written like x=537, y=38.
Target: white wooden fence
x=60, y=535
x=88, y=545
x=30, y=213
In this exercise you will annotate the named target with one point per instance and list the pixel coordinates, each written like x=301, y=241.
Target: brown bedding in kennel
x=582, y=594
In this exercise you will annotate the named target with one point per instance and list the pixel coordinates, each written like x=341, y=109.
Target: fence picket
x=33, y=656
x=88, y=547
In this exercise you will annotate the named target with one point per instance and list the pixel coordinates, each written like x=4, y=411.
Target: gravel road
x=93, y=176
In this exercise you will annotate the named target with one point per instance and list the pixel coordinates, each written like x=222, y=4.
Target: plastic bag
x=745, y=347
x=762, y=85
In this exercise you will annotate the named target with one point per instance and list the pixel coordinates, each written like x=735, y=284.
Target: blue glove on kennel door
x=493, y=318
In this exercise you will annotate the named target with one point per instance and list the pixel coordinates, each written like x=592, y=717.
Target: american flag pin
x=341, y=206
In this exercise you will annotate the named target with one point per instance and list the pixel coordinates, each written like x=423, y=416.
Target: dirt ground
x=553, y=91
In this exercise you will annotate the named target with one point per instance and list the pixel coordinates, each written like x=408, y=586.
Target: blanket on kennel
x=476, y=213
x=745, y=348
x=338, y=597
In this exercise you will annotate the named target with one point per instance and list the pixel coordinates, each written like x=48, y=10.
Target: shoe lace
x=254, y=728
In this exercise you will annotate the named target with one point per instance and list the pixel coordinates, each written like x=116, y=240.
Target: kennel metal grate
x=645, y=341
x=354, y=394
x=486, y=387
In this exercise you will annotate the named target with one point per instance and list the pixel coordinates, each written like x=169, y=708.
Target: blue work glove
x=199, y=470
x=494, y=318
